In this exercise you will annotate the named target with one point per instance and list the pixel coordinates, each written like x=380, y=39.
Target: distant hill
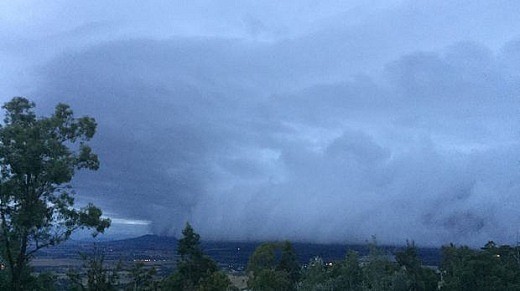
x=225, y=253
x=144, y=242
x=239, y=252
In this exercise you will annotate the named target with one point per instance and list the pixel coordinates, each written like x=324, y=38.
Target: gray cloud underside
x=192, y=130
x=383, y=121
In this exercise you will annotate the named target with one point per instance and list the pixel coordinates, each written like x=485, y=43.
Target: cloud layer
x=358, y=120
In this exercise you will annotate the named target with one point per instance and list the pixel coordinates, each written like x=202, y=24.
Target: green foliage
x=316, y=276
x=413, y=276
x=492, y=268
x=347, y=275
x=195, y=271
x=269, y=279
x=266, y=273
x=217, y=281
x=289, y=263
x=378, y=270
x=142, y=279
x=262, y=258
x=98, y=275
x=374, y=272
x=44, y=282
x=38, y=159
x=189, y=245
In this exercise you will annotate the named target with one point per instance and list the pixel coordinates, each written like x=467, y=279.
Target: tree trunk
x=18, y=268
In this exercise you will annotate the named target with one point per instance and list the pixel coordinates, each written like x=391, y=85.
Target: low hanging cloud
x=426, y=150
x=333, y=124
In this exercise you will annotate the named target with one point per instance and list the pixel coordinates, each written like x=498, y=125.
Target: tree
x=217, y=281
x=351, y=277
x=492, y=268
x=378, y=270
x=339, y=275
x=316, y=276
x=195, y=271
x=99, y=276
x=262, y=258
x=265, y=273
x=141, y=278
x=270, y=280
x=417, y=276
x=289, y=262
x=38, y=159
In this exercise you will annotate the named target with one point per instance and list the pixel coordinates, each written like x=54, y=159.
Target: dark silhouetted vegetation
x=38, y=158
x=195, y=271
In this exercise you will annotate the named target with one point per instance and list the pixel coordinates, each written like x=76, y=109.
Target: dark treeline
x=490, y=268
x=275, y=266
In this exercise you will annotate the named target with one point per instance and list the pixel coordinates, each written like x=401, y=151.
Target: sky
x=315, y=121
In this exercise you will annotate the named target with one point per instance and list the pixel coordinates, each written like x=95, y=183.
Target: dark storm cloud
x=427, y=152
x=334, y=124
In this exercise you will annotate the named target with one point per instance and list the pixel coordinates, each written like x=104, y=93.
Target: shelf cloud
x=343, y=121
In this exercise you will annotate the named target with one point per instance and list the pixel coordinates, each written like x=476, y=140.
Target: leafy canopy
x=38, y=159
x=195, y=270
